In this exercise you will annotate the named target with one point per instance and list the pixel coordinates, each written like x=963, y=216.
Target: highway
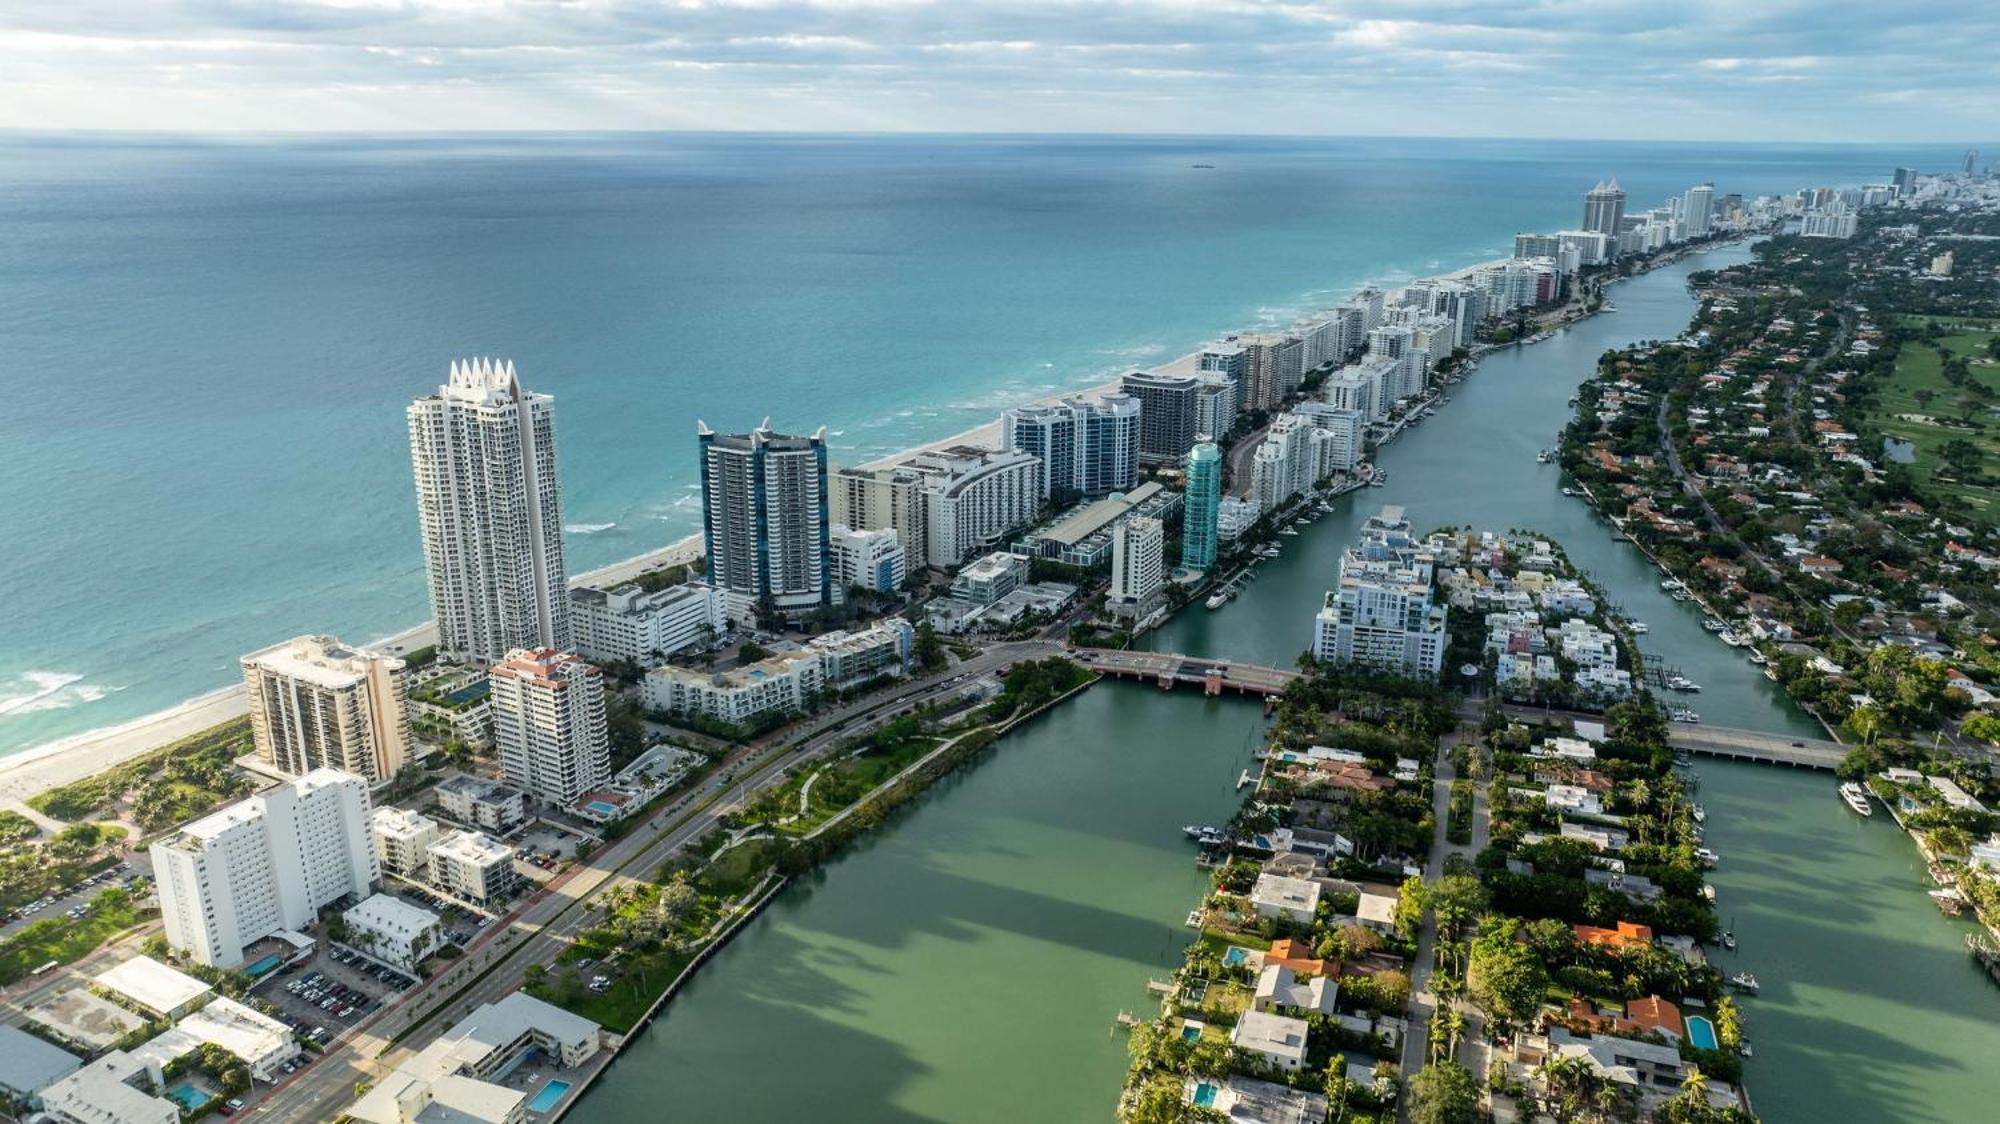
x=549, y=923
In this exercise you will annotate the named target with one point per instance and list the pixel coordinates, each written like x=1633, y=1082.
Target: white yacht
x=1857, y=798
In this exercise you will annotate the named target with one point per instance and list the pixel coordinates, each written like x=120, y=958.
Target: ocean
x=206, y=344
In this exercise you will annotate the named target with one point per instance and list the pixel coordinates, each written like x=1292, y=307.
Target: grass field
x=1918, y=405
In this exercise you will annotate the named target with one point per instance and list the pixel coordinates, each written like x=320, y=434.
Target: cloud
x=1833, y=69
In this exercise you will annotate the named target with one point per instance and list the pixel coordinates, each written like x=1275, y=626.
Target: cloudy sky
x=1823, y=70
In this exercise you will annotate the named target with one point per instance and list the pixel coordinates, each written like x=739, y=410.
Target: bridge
x=1754, y=745
x=1711, y=741
x=1170, y=670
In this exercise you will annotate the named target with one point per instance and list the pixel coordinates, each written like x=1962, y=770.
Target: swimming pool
x=1701, y=1032
x=1235, y=956
x=1191, y=1032
x=190, y=1097
x=602, y=808
x=1204, y=1095
x=547, y=1098
x=264, y=964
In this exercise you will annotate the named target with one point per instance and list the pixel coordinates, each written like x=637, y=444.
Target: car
x=346, y=1012
x=1798, y=745
x=226, y=1110
x=235, y=1103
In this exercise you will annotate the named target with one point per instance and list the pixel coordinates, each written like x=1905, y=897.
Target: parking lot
x=461, y=923
x=73, y=900
x=322, y=997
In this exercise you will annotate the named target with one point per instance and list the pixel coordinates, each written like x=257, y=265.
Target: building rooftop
x=102, y=1093
x=473, y=847
x=388, y=914
x=153, y=985
x=1276, y=1035
x=27, y=1063
x=321, y=660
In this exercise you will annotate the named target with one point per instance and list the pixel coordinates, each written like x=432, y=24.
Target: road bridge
x=1171, y=669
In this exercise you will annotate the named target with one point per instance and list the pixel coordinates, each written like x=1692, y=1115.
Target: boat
x=1683, y=683
x=1758, y=658
x=1684, y=714
x=1770, y=673
x=1568, y=491
x=1638, y=627
x=1707, y=857
x=1857, y=798
x=1744, y=981
x=1670, y=585
x=1700, y=813
x=1731, y=639
x=1544, y=457
x=1712, y=625
x=1728, y=940
x=1743, y=1048
x=1218, y=600
x=1679, y=594
x=1289, y=531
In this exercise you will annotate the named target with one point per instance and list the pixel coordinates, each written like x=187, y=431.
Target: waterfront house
x=1280, y=991
x=1627, y=935
x=1291, y=899
x=1278, y=1039
x=1245, y=1100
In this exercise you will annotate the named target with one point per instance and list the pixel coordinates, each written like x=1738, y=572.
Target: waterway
x=965, y=964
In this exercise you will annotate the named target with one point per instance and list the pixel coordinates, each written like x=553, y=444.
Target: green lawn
x=739, y=868
x=1919, y=388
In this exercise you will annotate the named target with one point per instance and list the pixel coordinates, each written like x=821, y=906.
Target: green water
x=966, y=963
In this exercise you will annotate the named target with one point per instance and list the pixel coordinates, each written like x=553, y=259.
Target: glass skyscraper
x=1203, y=502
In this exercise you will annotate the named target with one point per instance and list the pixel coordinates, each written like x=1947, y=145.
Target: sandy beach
x=70, y=759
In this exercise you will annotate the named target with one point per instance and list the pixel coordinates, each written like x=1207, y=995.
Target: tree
x=1505, y=977
x=1444, y=1093
x=1983, y=727
x=929, y=650
x=1409, y=915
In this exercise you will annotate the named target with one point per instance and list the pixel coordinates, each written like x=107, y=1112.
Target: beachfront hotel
x=264, y=865
x=484, y=455
x=764, y=517
x=549, y=724
x=316, y=703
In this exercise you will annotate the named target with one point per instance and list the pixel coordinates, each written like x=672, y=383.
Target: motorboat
x=1744, y=981
x=1700, y=813
x=1544, y=457
x=1857, y=798
x=1728, y=940
x=1568, y=491
x=1683, y=683
x=1218, y=600
x=1707, y=857
x=1680, y=595
x=1731, y=639
x=1713, y=625
x=1638, y=627
x=1758, y=658
x=1684, y=714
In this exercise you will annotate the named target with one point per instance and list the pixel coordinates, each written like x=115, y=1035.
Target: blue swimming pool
x=1191, y=1032
x=264, y=964
x=1204, y=1095
x=1235, y=956
x=1701, y=1032
x=547, y=1098
x=602, y=808
x=190, y=1097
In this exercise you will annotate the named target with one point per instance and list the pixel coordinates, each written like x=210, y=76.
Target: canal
x=966, y=963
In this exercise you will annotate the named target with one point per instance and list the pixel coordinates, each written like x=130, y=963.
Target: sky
x=1801, y=70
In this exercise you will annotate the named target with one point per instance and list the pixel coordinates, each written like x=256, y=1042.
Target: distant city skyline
x=1839, y=71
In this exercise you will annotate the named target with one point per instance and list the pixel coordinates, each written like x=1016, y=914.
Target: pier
x=1171, y=669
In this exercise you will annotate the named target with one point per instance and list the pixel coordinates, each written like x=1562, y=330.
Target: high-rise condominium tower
x=549, y=724
x=1202, y=507
x=764, y=517
x=316, y=703
x=1604, y=208
x=484, y=453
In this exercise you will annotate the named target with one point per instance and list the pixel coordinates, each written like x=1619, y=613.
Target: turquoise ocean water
x=206, y=345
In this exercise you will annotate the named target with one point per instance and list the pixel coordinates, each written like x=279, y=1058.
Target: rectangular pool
x=189, y=1097
x=1204, y=1095
x=1701, y=1032
x=602, y=807
x=264, y=964
x=549, y=1096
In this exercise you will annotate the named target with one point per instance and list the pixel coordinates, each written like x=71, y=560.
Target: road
x=538, y=934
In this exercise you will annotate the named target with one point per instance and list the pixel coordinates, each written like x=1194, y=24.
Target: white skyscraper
x=549, y=724
x=1138, y=563
x=264, y=864
x=1089, y=448
x=317, y=704
x=1382, y=615
x=484, y=454
x=1698, y=209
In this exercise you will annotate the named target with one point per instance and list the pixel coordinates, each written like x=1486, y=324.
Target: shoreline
x=52, y=764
